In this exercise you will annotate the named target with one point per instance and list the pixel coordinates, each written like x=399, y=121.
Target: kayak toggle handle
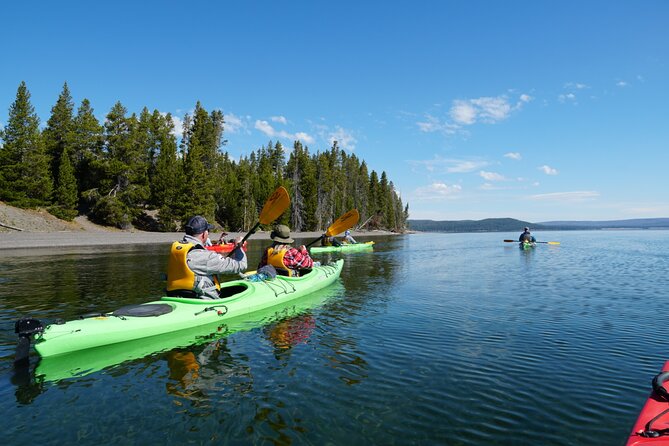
x=212, y=308
x=660, y=379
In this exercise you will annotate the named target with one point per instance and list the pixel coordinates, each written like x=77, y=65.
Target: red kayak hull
x=654, y=406
x=225, y=247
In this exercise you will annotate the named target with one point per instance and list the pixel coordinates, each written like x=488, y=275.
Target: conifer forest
x=132, y=170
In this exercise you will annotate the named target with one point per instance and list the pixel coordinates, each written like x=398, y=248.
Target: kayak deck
x=172, y=314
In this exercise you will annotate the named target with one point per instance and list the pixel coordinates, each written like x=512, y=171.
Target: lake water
x=457, y=339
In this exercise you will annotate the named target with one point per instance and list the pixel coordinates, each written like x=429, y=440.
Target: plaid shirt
x=294, y=258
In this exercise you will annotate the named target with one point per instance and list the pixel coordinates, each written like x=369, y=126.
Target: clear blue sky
x=524, y=109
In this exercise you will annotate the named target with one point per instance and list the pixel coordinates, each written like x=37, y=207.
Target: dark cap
x=526, y=228
x=281, y=234
x=197, y=225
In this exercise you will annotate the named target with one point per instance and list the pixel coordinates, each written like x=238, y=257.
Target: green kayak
x=352, y=247
x=173, y=314
x=289, y=315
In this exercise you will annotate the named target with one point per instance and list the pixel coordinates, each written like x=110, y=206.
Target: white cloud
x=463, y=112
x=236, y=124
x=569, y=97
x=575, y=86
x=449, y=165
x=486, y=109
x=304, y=137
x=491, y=176
x=279, y=119
x=434, y=124
x=437, y=191
x=569, y=197
x=267, y=129
x=178, y=126
x=513, y=155
x=548, y=170
x=621, y=84
x=344, y=138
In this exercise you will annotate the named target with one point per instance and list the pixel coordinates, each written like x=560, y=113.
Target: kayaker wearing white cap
x=348, y=238
x=192, y=269
x=526, y=236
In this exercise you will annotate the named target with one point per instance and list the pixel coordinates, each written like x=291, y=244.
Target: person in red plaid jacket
x=286, y=259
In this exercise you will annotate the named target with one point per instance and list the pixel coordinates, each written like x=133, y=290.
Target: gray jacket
x=206, y=263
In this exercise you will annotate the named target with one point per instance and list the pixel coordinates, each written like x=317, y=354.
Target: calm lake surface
x=457, y=339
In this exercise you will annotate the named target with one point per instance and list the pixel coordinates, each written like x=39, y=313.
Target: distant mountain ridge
x=511, y=224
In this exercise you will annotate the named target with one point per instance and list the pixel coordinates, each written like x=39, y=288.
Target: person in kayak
x=526, y=236
x=286, y=259
x=330, y=241
x=348, y=238
x=192, y=269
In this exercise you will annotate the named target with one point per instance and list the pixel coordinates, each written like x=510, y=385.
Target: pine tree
x=86, y=142
x=25, y=179
x=58, y=131
x=202, y=140
x=65, y=195
x=168, y=176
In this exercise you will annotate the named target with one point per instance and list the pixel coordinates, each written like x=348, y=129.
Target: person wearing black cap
x=192, y=270
x=526, y=236
x=286, y=259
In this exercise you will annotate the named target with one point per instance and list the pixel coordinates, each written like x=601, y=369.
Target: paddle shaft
x=275, y=205
x=516, y=241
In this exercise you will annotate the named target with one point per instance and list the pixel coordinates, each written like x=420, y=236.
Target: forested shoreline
x=133, y=170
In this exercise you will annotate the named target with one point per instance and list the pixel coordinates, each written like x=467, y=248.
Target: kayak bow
x=652, y=426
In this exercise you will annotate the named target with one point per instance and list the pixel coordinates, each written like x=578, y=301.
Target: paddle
x=346, y=221
x=550, y=243
x=275, y=205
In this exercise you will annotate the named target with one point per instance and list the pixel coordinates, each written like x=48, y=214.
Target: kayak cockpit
x=229, y=290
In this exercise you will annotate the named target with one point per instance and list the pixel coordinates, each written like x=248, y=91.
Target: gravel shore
x=39, y=229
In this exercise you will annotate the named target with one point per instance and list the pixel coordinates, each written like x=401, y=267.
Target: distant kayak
x=527, y=245
x=345, y=247
x=652, y=426
x=172, y=314
x=225, y=247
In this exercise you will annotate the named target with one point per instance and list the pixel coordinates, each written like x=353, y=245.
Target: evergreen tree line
x=132, y=170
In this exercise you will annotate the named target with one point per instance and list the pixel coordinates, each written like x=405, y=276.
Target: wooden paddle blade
x=346, y=221
x=275, y=205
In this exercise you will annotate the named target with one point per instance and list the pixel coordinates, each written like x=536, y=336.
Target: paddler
x=281, y=255
x=526, y=236
x=192, y=270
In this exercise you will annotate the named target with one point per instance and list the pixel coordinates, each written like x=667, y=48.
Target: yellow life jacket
x=179, y=276
x=275, y=258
